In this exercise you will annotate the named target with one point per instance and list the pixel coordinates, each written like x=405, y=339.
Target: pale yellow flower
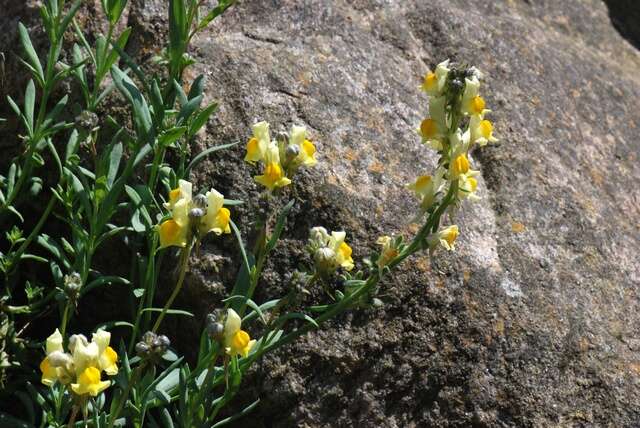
x=307, y=150
x=217, y=219
x=445, y=237
x=89, y=382
x=236, y=340
x=258, y=143
x=273, y=175
x=481, y=131
x=434, y=81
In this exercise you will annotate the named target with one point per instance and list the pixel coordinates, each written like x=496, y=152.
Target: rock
x=534, y=320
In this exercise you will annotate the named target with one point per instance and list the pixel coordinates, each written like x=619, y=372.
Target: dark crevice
x=625, y=17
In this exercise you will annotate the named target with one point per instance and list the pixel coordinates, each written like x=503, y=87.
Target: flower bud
x=196, y=213
x=142, y=349
x=72, y=284
x=75, y=339
x=200, y=201
x=325, y=260
x=282, y=138
x=215, y=329
x=292, y=152
x=86, y=120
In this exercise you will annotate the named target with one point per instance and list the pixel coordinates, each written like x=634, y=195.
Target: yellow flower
x=217, y=218
x=433, y=82
x=49, y=373
x=172, y=234
x=427, y=188
x=107, y=356
x=182, y=192
x=236, y=340
x=56, y=364
x=342, y=250
x=433, y=129
x=388, y=252
x=459, y=165
x=307, y=150
x=472, y=102
x=258, y=143
x=273, y=175
x=446, y=237
x=83, y=366
x=467, y=185
x=89, y=382
x=481, y=131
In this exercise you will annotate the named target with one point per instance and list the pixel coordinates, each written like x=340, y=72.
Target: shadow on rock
x=625, y=17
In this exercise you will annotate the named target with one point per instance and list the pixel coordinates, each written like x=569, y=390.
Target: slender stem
x=65, y=318
x=149, y=281
x=184, y=261
x=125, y=396
x=36, y=229
x=74, y=415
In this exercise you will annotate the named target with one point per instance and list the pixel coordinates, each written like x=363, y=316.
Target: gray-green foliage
x=108, y=185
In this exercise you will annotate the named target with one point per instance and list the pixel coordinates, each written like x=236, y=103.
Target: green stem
x=149, y=288
x=184, y=261
x=125, y=396
x=36, y=229
x=65, y=319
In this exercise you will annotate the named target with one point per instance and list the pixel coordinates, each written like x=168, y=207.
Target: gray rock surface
x=534, y=320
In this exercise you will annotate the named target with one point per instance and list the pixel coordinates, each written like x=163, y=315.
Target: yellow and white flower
x=80, y=368
x=306, y=149
x=481, y=131
x=218, y=218
x=214, y=217
x=434, y=128
x=472, y=102
x=236, y=340
x=428, y=187
x=445, y=237
x=258, y=143
x=434, y=81
x=330, y=251
x=273, y=175
x=467, y=185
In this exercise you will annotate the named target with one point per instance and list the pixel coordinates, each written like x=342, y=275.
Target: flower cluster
x=82, y=366
x=454, y=101
x=281, y=158
x=329, y=251
x=191, y=216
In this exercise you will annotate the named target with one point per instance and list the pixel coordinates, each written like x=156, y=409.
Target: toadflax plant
x=113, y=184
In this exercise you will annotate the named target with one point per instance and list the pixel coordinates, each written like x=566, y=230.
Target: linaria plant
x=113, y=185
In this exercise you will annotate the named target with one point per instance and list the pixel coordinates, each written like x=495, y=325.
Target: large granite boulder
x=534, y=320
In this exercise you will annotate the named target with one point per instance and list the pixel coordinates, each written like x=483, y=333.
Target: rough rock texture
x=534, y=320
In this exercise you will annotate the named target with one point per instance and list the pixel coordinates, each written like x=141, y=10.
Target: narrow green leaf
x=103, y=280
x=29, y=104
x=201, y=118
x=114, y=163
x=238, y=415
x=32, y=56
x=169, y=311
x=202, y=155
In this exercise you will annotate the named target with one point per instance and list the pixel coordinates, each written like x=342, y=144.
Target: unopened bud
x=292, y=152
x=215, y=329
x=72, y=284
x=142, y=349
x=75, y=339
x=86, y=120
x=325, y=259
x=282, y=138
x=200, y=201
x=196, y=213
